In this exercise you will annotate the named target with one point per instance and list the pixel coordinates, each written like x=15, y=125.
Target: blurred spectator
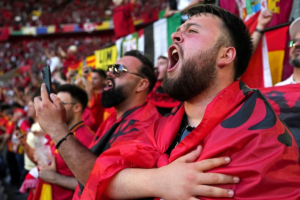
x=94, y=113
x=122, y=18
x=176, y=6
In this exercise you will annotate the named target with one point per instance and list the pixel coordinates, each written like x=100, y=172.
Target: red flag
x=238, y=123
x=285, y=101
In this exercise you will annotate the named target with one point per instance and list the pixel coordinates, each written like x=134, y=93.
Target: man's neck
x=296, y=75
x=128, y=104
x=195, y=108
x=75, y=121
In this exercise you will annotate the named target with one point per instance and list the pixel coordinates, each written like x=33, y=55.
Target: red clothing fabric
x=69, y=61
x=84, y=135
x=160, y=99
x=238, y=123
x=10, y=127
x=3, y=121
x=94, y=113
x=113, y=131
x=122, y=19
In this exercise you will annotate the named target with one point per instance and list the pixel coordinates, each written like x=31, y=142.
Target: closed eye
x=192, y=31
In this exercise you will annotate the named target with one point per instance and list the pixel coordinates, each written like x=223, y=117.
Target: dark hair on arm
x=76, y=93
x=147, y=69
x=237, y=34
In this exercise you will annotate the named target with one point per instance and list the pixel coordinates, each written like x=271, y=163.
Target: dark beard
x=197, y=75
x=295, y=62
x=113, y=97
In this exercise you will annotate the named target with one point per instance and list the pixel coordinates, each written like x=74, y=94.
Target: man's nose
x=177, y=37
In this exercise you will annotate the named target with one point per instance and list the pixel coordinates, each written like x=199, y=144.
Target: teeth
x=175, y=54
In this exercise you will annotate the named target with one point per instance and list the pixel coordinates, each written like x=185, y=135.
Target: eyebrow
x=186, y=26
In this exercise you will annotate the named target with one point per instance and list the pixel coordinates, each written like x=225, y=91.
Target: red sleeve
x=10, y=127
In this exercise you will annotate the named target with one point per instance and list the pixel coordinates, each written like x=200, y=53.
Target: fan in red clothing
x=58, y=173
x=210, y=51
x=158, y=97
x=122, y=19
x=93, y=115
x=129, y=82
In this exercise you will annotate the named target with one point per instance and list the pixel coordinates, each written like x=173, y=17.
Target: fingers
x=209, y=191
x=44, y=94
x=56, y=101
x=208, y=164
x=216, y=178
x=193, y=155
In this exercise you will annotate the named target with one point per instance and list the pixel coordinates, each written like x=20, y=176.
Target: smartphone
x=47, y=79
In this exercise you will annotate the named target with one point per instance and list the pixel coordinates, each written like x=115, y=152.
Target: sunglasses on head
x=293, y=42
x=118, y=69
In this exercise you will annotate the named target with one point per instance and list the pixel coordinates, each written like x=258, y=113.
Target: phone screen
x=47, y=79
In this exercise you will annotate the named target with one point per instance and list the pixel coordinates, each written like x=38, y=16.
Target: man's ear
x=142, y=85
x=77, y=107
x=226, y=56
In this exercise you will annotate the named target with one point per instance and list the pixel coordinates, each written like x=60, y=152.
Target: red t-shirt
x=94, y=113
x=123, y=23
x=84, y=135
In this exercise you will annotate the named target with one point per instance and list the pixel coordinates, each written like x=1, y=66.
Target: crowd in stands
x=18, y=13
x=78, y=140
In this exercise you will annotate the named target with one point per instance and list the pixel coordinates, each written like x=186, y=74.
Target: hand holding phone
x=47, y=79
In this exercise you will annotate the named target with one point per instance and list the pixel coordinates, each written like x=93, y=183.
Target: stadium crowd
x=186, y=128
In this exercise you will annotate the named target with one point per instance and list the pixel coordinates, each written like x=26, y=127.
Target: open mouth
x=109, y=84
x=173, y=57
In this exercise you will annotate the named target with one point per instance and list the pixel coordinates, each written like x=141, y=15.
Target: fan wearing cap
x=294, y=45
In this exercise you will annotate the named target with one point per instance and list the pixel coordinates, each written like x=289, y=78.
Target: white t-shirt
x=288, y=81
x=182, y=4
x=54, y=63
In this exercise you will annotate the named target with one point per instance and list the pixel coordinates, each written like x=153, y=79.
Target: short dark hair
x=76, y=93
x=236, y=33
x=100, y=72
x=162, y=57
x=147, y=69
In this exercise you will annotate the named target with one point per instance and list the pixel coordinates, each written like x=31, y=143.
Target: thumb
x=193, y=155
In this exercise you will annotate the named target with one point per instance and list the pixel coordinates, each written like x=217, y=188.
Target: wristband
x=259, y=30
x=62, y=139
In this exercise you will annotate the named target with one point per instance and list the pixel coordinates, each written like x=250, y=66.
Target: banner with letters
x=105, y=57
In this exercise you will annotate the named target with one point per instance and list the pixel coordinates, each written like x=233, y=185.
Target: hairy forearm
x=256, y=37
x=78, y=158
x=65, y=181
x=134, y=184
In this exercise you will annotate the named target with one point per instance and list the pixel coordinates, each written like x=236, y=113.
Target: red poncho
x=238, y=123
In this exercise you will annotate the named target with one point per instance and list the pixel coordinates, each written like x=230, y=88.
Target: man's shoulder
x=288, y=81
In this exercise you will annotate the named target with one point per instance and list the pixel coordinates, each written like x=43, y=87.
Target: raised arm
x=263, y=20
x=52, y=119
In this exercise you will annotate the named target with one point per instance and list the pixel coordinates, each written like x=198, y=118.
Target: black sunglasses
x=118, y=69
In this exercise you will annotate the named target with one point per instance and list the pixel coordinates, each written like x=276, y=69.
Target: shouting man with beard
x=129, y=82
x=219, y=114
x=294, y=54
